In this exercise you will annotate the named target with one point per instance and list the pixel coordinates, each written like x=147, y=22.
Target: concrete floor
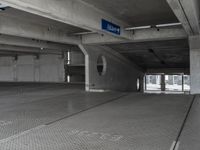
x=190, y=137
x=60, y=117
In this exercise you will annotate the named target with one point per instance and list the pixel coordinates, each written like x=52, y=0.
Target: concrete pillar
x=194, y=42
x=162, y=82
x=145, y=82
x=15, y=70
x=142, y=84
x=183, y=82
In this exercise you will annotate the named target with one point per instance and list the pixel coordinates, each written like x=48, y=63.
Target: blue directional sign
x=110, y=27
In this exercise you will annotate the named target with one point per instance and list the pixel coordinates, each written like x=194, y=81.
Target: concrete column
x=162, y=82
x=141, y=90
x=145, y=82
x=183, y=82
x=15, y=70
x=194, y=42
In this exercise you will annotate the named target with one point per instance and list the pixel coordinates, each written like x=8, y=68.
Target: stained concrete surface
x=53, y=118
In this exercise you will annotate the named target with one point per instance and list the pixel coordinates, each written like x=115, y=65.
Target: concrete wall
x=120, y=74
x=6, y=69
x=25, y=68
x=48, y=68
x=195, y=64
x=51, y=68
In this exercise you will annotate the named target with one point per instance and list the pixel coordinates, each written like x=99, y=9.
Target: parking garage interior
x=99, y=75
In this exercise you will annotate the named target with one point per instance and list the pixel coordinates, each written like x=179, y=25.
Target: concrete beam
x=194, y=42
x=19, y=27
x=138, y=36
x=15, y=54
x=9, y=48
x=168, y=70
x=19, y=41
x=187, y=11
x=75, y=13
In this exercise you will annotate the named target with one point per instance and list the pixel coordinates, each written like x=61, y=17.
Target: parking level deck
x=60, y=117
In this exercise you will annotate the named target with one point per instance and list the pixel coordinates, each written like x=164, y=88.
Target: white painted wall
x=49, y=68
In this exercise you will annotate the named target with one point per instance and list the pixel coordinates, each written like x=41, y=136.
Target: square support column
x=163, y=82
x=183, y=83
x=145, y=82
x=194, y=42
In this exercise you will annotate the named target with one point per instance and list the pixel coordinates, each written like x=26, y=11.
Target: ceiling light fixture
x=84, y=33
x=153, y=26
x=168, y=25
x=138, y=28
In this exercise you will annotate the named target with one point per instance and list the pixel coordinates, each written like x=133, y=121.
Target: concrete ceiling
x=30, y=43
x=137, y=12
x=159, y=54
x=35, y=19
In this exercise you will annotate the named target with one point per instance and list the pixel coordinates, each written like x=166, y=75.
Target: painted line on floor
x=177, y=142
x=175, y=145
x=21, y=134
x=92, y=107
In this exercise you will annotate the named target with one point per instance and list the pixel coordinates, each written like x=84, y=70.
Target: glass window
x=153, y=82
x=173, y=82
x=186, y=82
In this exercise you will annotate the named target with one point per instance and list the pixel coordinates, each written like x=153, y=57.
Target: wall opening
x=138, y=84
x=101, y=65
x=75, y=66
x=153, y=82
x=68, y=57
x=186, y=82
x=173, y=83
x=68, y=78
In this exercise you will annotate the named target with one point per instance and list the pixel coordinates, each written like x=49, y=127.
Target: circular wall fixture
x=101, y=65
